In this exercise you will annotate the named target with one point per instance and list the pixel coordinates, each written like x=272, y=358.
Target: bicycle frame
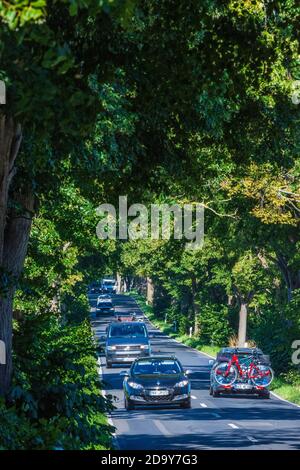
x=251, y=367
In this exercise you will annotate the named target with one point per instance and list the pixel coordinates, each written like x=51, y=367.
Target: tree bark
x=16, y=239
x=242, y=324
x=14, y=234
x=150, y=291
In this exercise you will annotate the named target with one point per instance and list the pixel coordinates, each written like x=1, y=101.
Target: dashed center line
x=193, y=397
x=203, y=405
x=233, y=426
x=162, y=428
x=251, y=439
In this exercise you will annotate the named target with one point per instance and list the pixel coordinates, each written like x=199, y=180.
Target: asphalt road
x=212, y=423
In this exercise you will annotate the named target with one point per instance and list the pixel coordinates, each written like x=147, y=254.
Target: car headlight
x=111, y=348
x=134, y=385
x=182, y=383
x=144, y=346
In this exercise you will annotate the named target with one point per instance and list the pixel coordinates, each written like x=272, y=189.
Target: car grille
x=158, y=398
x=128, y=348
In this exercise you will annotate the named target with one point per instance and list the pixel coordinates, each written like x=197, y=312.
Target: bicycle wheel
x=225, y=375
x=261, y=375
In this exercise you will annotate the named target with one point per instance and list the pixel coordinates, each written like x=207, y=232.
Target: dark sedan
x=157, y=381
x=104, y=306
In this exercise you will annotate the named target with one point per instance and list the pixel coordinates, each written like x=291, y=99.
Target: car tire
x=210, y=390
x=128, y=404
x=215, y=393
x=108, y=365
x=187, y=404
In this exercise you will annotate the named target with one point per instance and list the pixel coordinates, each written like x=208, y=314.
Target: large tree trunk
x=16, y=239
x=150, y=291
x=14, y=232
x=242, y=324
x=196, y=307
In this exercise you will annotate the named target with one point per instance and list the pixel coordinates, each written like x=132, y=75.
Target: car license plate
x=243, y=387
x=158, y=393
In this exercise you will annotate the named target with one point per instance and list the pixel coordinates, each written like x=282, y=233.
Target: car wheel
x=186, y=404
x=210, y=390
x=215, y=393
x=128, y=404
x=108, y=365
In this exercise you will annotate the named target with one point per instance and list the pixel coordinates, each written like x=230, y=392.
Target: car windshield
x=128, y=331
x=157, y=367
x=105, y=304
x=109, y=283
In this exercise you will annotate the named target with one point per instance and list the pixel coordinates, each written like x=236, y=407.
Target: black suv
x=125, y=342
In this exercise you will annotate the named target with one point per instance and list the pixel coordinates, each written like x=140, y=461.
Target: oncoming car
x=104, y=306
x=125, y=342
x=157, y=381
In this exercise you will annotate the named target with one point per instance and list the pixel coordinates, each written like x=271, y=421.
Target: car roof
x=158, y=358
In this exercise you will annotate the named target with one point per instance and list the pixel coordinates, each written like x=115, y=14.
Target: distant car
x=157, y=381
x=125, y=342
x=242, y=385
x=102, y=297
x=95, y=290
x=104, y=306
x=125, y=316
x=109, y=286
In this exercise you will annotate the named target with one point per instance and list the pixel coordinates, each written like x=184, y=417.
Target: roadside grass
x=283, y=388
x=288, y=391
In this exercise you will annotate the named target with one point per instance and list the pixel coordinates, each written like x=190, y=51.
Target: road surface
x=211, y=423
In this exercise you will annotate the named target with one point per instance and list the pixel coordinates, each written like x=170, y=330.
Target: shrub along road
x=212, y=423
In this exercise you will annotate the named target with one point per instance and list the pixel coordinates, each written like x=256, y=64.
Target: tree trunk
x=242, y=324
x=16, y=237
x=10, y=140
x=150, y=291
x=119, y=283
x=196, y=307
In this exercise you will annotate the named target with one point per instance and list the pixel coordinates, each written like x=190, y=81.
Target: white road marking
x=193, y=397
x=162, y=427
x=251, y=439
x=233, y=426
x=203, y=405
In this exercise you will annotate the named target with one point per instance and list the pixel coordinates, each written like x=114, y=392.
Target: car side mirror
x=188, y=372
x=124, y=373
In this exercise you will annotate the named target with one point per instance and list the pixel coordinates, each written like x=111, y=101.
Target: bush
x=55, y=400
x=214, y=324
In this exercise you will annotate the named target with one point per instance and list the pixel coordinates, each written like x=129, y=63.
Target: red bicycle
x=250, y=368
